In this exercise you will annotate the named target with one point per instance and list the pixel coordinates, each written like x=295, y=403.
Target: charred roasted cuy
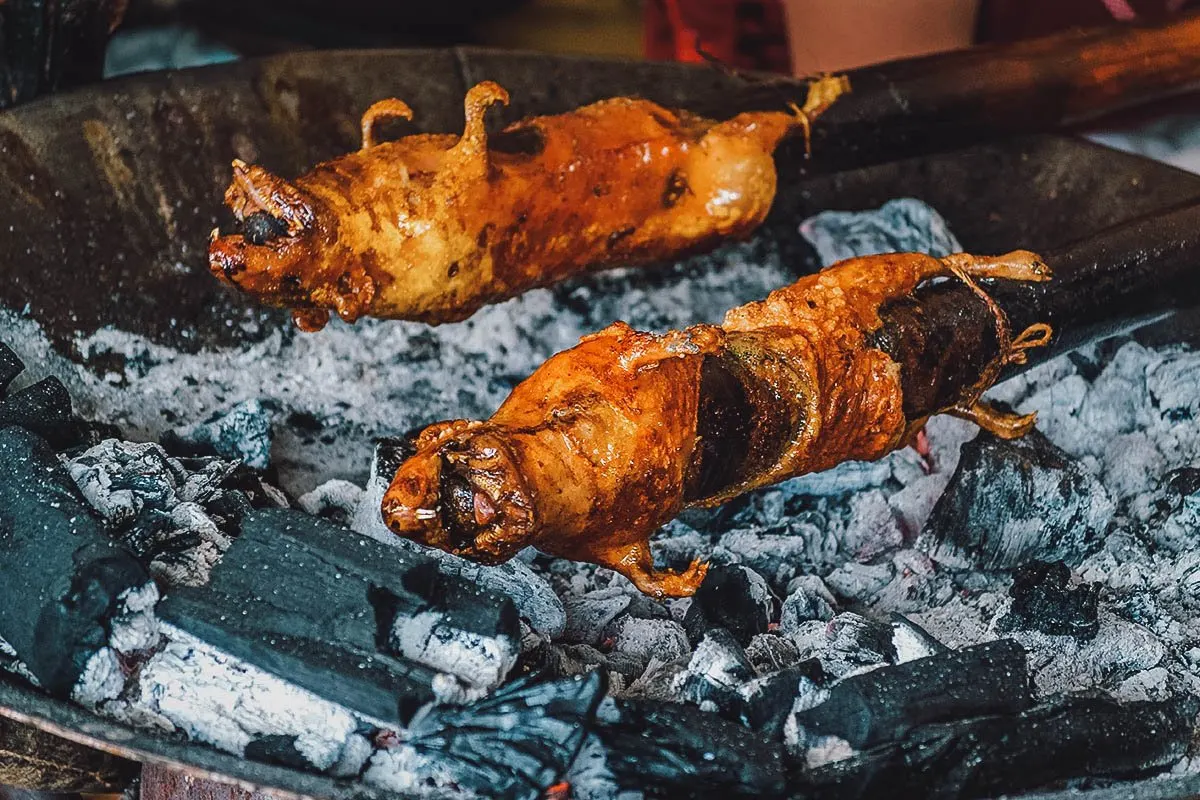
x=432, y=227
x=608, y=440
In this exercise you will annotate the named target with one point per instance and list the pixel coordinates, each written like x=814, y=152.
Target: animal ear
x=254, y=189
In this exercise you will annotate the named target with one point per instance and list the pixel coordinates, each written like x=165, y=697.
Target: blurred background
x=48, y=45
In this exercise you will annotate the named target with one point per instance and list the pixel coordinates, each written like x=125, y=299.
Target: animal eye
x=260, y=228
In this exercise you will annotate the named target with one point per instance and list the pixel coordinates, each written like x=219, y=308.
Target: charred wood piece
x=991, y=756
x=885, y=704
x=65, y=582
x=732, y=597
x=668, y=750
x=386, y=623
x=1043, y=600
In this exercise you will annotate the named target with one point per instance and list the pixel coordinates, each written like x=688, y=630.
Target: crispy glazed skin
x=432, y=227
x=608, y=440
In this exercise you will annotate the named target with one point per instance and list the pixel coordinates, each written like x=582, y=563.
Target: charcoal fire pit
x=193, y=573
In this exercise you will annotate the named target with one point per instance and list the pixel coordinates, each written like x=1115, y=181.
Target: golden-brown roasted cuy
x=608, y=440
x=432, y=227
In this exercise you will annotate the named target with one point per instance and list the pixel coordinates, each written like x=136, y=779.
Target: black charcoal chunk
x=808, y=599
x=1012, y=501
x=716, y=672
x=512, y=745
x=243, y=433
x=767, y=701
x=770, y=652
x=854, y=642
x=321, y=607
x=884, y=704
x=588, y=615
x=277, y=749
x=1043, y=600
x=733, y=597
x=10, y=367
x=63, y=580
x=991, y=756
x=45, y=409
x=668, y=750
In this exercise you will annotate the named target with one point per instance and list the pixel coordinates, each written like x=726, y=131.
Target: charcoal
x=242, y=433
x=767, y=701
x=158, y=506
x=769, y=652
x=10, y=367
x=536, y=602
x=277, y=749
x=733, y=597
x=668, y=750
x=65, y=582
x=648, y=639
x=589, y=614
x=884, y=704
x=1043, y=600
x=716, y=672
x=808, y=599
x=514, y=744
x=989, y=756
x=385, y=625
x=912, y=641
x=45, y=409
x=1013, y=501
x=853, y=642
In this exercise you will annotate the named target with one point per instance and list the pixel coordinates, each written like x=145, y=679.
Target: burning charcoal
x=70, y=592
x=384, y=622
x=717, y=671
x=1012, y=501
x=589, y=614
x=514, y=744
x=769, y=652
x=991, y=756
x=668, y=750
x=904, y=225
x=333, y=500
x=860, y=582
x=767, y=701
x=809, y=599
x=912, y=641
x=1043, y=600
x=885, y=704
x=10, y=367
x=532, y=595
x=243, y=433
x=732, y=597
x=853, y=642
x=660, y=680
x=45, y=409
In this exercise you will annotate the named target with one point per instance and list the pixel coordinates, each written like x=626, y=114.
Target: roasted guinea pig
x=607, y=441
x=431, y=227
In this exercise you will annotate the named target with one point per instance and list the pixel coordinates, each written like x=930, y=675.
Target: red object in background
x=740, y=34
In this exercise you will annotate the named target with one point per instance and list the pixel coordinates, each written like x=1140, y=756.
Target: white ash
x=225, y=702
x=429, y=638
x=335, y=499
x=133, y=631
x=242, y=432
x=130, y=483
x=649, y=638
